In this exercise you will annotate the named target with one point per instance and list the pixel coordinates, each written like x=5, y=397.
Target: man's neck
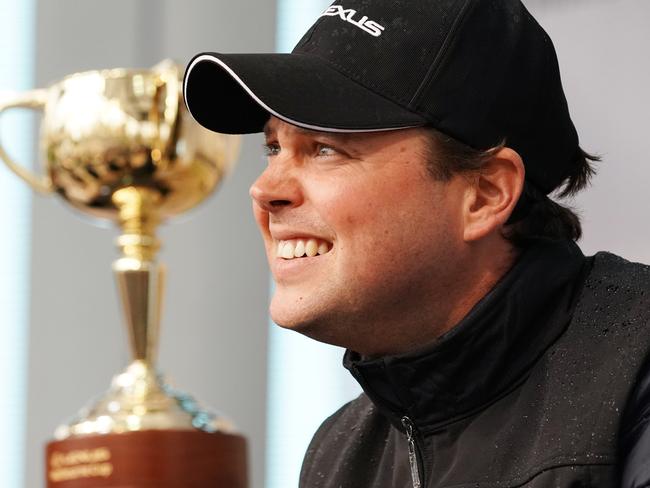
x=483, y=268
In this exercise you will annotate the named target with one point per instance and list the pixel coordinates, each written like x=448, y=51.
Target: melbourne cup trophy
x=120, y=146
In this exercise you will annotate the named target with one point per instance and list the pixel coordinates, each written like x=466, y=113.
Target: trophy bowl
x=111, y=129
x=120, y=146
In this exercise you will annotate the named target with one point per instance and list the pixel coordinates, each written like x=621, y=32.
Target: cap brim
x=236, y=94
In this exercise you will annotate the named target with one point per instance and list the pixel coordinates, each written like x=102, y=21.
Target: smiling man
x=412, y=147
x=382, y=227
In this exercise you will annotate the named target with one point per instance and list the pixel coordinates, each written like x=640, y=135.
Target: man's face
x=380, y=239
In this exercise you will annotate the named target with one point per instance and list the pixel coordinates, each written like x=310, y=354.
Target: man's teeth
x=298, y=248
x=311, y=249
x=323, y=248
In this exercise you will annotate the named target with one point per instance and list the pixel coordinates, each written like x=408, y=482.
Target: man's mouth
x=300, y=248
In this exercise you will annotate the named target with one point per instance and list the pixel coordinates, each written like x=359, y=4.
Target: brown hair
x=536, y=215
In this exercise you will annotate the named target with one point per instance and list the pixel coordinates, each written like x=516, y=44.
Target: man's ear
x=492, y=194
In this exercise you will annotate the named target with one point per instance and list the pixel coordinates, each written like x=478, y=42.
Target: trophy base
x=148, y=459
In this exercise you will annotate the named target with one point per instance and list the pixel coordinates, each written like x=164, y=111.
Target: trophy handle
x=34, y=100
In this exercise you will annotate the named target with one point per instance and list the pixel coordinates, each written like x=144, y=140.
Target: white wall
x=16, y=72
x=215, y=323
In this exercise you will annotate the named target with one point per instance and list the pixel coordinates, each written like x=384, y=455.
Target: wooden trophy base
x=148, y=459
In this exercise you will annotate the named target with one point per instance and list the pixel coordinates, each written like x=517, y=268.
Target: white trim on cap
x=209, y=57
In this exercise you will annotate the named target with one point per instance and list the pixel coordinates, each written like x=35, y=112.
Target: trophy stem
x=140, y=278
x=138, y=217
x=140, y=287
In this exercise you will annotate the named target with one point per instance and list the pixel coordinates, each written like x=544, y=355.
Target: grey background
x=215, y=323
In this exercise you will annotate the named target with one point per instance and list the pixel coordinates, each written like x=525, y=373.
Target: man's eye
x=271, y=149
x=324, y=150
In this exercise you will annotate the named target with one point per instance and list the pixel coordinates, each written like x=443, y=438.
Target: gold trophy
x=120, y=145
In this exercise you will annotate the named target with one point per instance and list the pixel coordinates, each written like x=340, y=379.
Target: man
x=412, y=147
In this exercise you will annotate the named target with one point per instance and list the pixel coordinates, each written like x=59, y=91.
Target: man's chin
x=290, y=321
x=309, y=325
x=292, y=310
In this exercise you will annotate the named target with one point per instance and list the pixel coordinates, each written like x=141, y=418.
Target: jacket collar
x=489, y=352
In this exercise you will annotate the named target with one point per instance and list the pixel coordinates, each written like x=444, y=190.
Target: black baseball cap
x=480, y=71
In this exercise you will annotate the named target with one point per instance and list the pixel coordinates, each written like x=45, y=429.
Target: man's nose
x=276, y=188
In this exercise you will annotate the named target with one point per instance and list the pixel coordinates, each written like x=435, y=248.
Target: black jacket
x=528, y=390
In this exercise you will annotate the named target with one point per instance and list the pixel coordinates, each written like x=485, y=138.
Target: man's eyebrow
x=268, y=131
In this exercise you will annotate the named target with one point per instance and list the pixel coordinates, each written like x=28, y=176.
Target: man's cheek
x=350, y=211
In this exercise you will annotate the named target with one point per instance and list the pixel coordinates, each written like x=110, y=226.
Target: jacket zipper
x=414, y=458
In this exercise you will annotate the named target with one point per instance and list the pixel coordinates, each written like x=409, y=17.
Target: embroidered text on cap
x=369, y=26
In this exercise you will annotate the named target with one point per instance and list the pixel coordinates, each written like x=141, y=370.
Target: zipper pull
x=413, y=456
